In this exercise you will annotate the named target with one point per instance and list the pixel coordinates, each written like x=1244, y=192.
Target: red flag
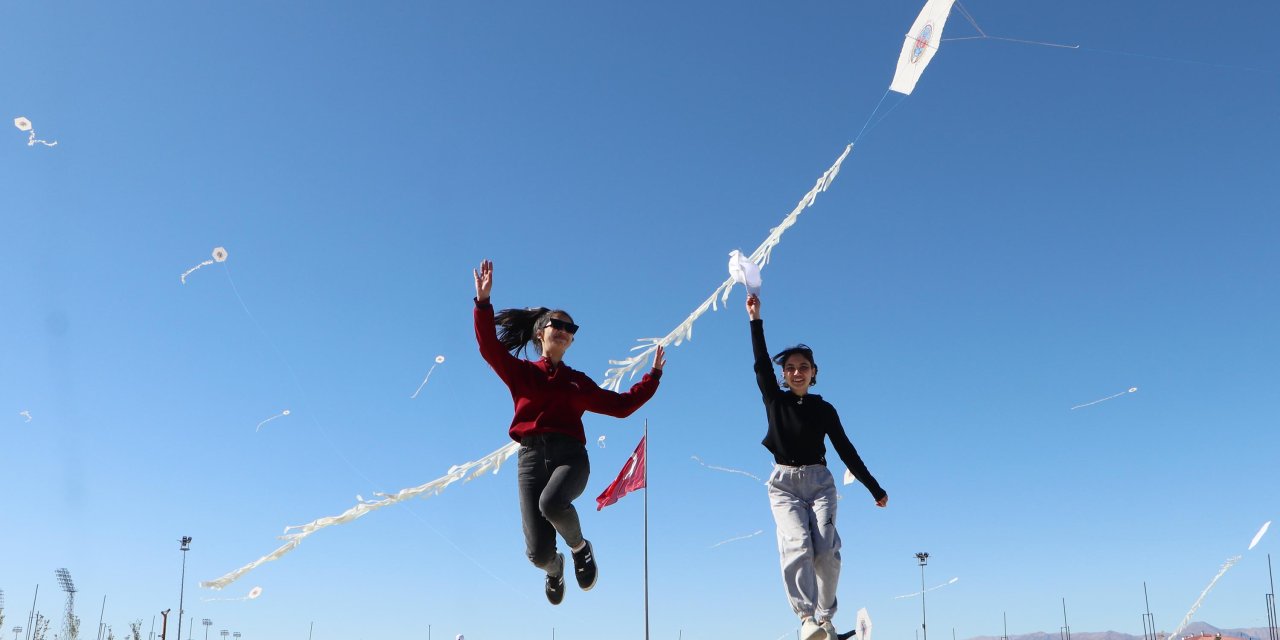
x=631, y=478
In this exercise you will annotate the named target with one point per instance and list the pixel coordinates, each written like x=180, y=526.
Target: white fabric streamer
x=25, y=414
x=726, y=469
x=294, y=535
x=684, y=331
x=1187, y=619
x=749, y=535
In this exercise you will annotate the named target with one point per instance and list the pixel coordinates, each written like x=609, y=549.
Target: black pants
x=553, y=472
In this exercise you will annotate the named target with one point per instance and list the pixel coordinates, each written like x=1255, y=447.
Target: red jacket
x=552, y=399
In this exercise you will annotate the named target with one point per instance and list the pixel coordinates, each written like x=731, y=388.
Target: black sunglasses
x=567, y=327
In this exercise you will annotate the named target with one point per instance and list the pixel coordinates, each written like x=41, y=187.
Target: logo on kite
x=922, y=41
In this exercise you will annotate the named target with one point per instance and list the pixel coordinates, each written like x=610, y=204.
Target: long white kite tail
x=684, y=331
x=1187, y=619
x=296, y=534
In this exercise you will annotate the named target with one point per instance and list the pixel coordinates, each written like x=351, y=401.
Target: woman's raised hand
x=659, y=358
x=484, y=280
x=753, y=306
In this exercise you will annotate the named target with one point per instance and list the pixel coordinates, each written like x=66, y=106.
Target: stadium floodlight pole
x=1006, y=625
x=1272, y=629
x=31, y=618
x=16, y=631
x=185, y=543
x=224, y=633
x=207, y=623
x=64, y=580
x=1148, y=622
x=923, y=557
x=102, y=613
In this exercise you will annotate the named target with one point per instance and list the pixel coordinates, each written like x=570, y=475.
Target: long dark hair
x=803, y=349
x=518, y=327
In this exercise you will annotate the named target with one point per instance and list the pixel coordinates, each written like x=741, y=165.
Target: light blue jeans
x=803, y=500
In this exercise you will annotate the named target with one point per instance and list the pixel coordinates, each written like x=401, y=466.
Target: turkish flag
x=631, y=478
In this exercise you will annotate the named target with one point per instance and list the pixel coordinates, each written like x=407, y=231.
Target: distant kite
x=219, y=255
x=749, y=535
x=726, y=469
x=1258, y=536
x=912, y=595
x=24, y=124
x=1131, y=390
x=439, y=360
x=252, y=595
x=25, y=414
x=600, y=442
x=278, y=415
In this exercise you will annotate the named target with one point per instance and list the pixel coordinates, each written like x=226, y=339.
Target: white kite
x=600, y=442
x=919, y=45
x=219, y=255
x=1131, y=390
x=744, y=272
x=1258, y=536
x=864, y=624
x=252, y=595
x=278, y=415
x=912, y=595
x=24, y=124
x=749, y=535
x=294, y=535
x=25, y=414
x=726, y=469
x=439, y=360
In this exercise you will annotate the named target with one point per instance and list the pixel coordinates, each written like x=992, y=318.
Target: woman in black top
x=802, y=492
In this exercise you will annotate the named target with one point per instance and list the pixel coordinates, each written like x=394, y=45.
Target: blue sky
x=1034, y=228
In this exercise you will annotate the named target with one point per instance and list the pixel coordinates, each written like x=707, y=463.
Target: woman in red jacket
x=550, y=399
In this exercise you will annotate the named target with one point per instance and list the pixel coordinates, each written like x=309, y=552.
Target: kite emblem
x=922, y=41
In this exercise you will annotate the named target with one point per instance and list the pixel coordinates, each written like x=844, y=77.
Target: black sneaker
x=555, y=584
x=584, y=566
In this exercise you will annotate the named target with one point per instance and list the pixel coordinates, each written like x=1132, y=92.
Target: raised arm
x=501, y=360
x=763, y=366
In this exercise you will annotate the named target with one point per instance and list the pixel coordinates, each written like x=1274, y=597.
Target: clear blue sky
x=1034, y=228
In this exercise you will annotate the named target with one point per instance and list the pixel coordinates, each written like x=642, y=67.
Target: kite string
x=298, y=383
x=873, y=114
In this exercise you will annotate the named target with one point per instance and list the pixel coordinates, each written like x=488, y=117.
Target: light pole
x=17, y=631
x=923, y=557
x=186, y=546
x=1066, y=628
x=236, y=635
x=1148, y=622
x=206, y=622
x=224, y=633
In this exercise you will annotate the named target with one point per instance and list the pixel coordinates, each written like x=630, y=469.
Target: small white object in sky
x=726, y=470
x=439, y=360
x=252, y=595
x=1131, y=390
x=912, y=595
x=848, y=477
x=864, y=624
x=600, y=441
x=278, y=415
x=25, y=414
x=1258, y=536
x=294, y=535
x=744, y=272
x=749, y=535
x=219, y=255
x=24, y=124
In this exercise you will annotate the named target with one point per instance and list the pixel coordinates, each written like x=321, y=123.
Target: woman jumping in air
x=802, y=493
x=550, y=398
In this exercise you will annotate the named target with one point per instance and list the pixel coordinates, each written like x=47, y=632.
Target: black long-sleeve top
x=798, y=424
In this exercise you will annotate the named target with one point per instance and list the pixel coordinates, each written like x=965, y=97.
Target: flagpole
x=646, y=529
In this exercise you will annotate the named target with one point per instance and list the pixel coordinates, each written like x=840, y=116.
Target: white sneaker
x=830, y=629
x=811, y=630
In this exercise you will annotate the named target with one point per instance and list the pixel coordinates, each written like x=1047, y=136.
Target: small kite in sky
x=24, y=124
x=600, y=441
x=219, y=255
x=749, y=535
x=726, y=469
x=1257, y=537
x=25, y=414
x=278, y=415
x=1131, y=390
x=252, y=595
x=439, y=360
x=912, y=595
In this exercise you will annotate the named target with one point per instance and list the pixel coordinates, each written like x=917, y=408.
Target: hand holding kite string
x=219, y=255
x=24, y=124
x=753, y=306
